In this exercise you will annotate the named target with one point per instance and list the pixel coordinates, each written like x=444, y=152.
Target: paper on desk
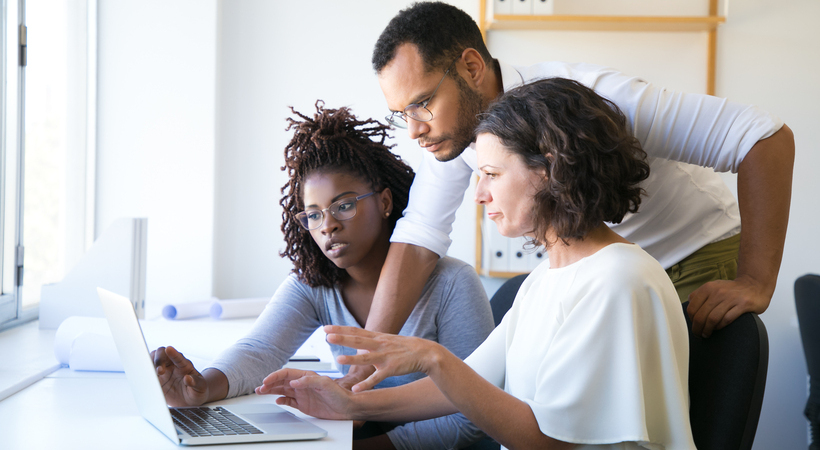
x=94, y=352
x=217, y=309
x=231, y=309
x=190, y=310
x=85, y=343
x=72, y=327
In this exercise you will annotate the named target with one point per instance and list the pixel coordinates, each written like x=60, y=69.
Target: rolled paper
x=180, y=311
x=72, y=327
x=233, y=309
x=96, y=352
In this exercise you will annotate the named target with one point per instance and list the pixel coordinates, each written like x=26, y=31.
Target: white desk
x=96, y=410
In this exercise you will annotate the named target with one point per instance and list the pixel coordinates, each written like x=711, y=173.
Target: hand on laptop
x=181, y=383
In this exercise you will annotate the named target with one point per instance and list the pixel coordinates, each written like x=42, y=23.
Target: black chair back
x=727, y=378
x=504, y=296
x=807, y=301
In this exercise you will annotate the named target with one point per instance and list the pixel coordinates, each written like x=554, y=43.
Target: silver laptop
x=193, y=426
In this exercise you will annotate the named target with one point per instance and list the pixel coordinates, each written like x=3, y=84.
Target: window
x=48, y=146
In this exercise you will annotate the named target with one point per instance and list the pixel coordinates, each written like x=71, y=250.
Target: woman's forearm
x=419, y=400
x=505, y=418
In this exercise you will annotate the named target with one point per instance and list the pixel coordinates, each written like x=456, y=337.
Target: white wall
x=158, y=107
x=769, y=55
x=273, y=55
x=155, y=158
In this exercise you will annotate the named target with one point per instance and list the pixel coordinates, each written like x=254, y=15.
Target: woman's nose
x=330, y=224
x=482, y=195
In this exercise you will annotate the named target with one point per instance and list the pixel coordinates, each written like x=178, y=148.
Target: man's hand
x=308, y=392
x=718, y=303
x=181, y=383
x=764, y=182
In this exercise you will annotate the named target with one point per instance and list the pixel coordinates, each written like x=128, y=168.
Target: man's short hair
x=439, y=31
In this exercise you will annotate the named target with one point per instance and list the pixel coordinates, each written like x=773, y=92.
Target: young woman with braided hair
x=345, y=193
x=594, y=351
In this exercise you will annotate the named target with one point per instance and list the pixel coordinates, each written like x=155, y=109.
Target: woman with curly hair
x=594, y=351
x=345, y=193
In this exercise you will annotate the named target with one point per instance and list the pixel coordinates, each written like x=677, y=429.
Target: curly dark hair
x=335, y=141
x=593, y=163
x=440, y=31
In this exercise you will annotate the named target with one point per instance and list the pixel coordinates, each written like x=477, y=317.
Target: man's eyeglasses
x=343, y=209
x=417, y=111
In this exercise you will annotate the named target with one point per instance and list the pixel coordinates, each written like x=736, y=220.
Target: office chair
x=807, y=301
x=727, y=377
x=504, y=296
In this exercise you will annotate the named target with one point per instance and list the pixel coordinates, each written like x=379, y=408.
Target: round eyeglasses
x=343, y=209
x=417, y=111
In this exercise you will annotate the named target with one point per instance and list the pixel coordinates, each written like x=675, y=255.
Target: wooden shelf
x=605, y=23
x=564, y=22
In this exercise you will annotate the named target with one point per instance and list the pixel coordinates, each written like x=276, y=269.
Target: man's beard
x=470, y=104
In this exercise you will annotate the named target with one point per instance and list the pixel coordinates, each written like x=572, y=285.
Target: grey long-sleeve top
x=453, y=310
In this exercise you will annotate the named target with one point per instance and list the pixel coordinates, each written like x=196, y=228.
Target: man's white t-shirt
x=687, y=137
x=599, y=350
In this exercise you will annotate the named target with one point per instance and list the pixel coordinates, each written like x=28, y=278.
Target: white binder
x=519, y=256
x=542, y=7
x=496, y=255
x=522, y=7
x=502, y=6
x=535, y=258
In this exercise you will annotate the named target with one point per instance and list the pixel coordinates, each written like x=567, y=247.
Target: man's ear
x=386, y=199
x=475, y=67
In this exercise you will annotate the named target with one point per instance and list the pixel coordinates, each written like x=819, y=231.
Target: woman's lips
x=335, y=248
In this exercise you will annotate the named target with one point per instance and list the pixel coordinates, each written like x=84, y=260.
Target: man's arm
x=764, y=195
x=419, y=239
x=402, y=279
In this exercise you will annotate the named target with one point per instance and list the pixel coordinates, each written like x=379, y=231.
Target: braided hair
x=335, y=141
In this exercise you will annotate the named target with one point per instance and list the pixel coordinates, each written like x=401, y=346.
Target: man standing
x=437, y=75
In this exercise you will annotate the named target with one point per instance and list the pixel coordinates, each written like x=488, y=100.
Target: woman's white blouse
x=599, y=350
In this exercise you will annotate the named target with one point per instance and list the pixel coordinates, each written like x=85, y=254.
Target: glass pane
x=44, y=212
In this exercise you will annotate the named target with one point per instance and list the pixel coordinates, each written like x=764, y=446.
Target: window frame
x=82, y=148
x=10, y=307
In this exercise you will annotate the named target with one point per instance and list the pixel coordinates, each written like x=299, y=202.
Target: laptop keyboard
x=205, y=421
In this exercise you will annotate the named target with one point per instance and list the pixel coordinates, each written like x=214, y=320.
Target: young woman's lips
x=336, y=249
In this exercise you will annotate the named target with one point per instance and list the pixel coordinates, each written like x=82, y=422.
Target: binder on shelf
x=497, y=247
x=502, y=6
x=543, y=7
x=535, y=258
x=519, y=256
x=522, y=7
